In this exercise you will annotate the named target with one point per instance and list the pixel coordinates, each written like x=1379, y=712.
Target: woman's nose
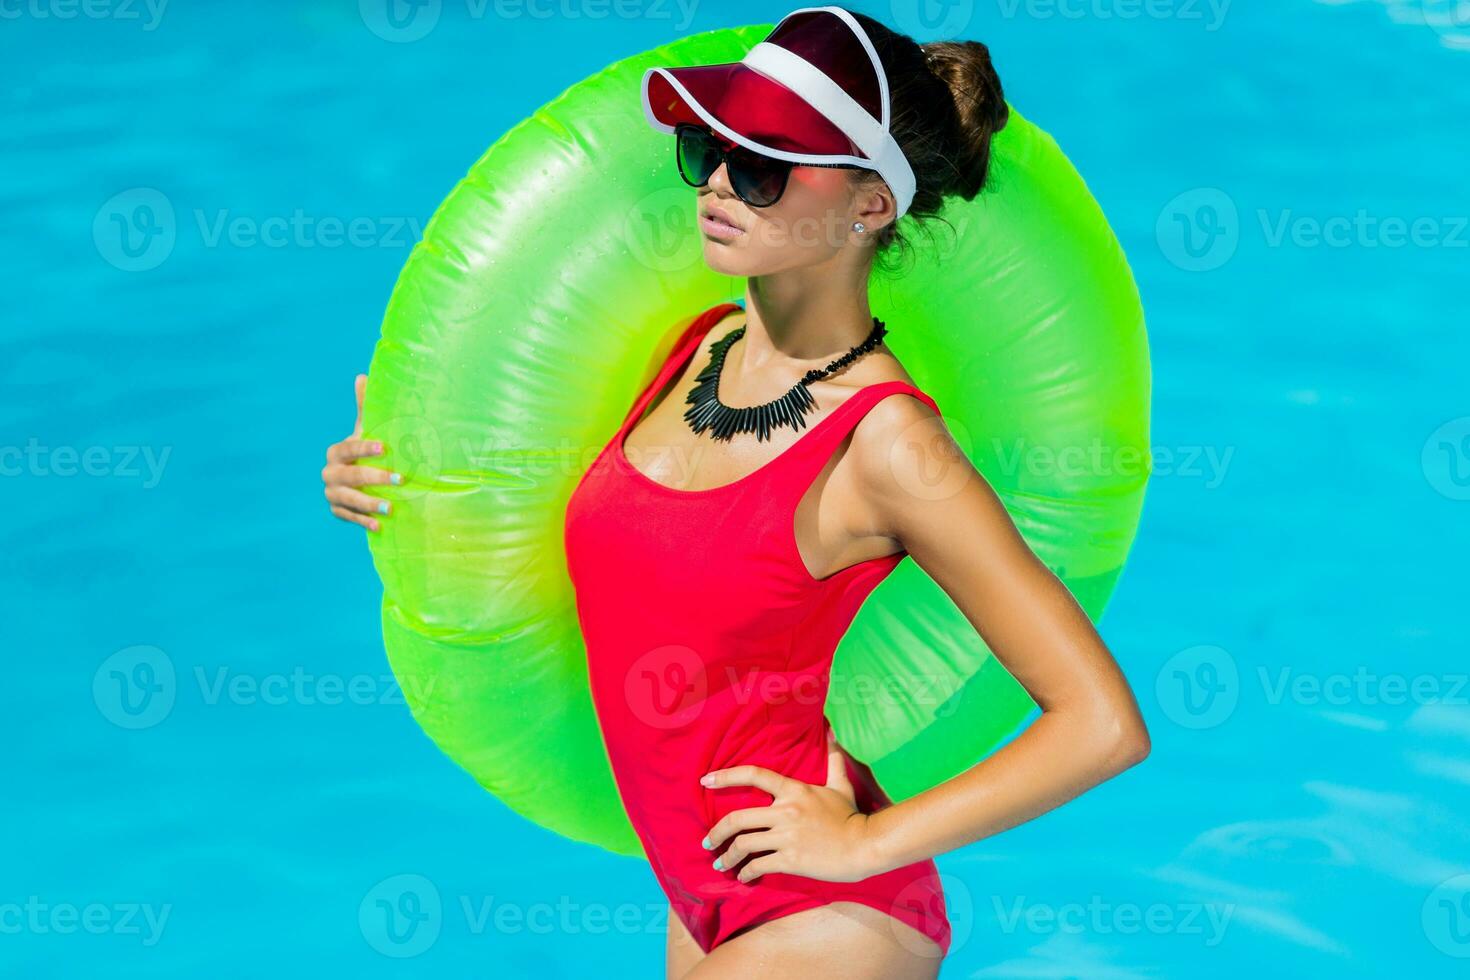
x=719, y=181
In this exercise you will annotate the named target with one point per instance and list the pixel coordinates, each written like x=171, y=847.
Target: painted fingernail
x=382, y=507
x=377, y=447
x=717, y=865
x=397, y=478
x=706, y=844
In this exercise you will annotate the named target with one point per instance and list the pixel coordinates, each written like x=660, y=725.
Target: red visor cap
x=744, y=101
x=760, y=108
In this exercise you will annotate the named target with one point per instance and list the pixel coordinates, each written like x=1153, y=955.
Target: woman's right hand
x=343, y=475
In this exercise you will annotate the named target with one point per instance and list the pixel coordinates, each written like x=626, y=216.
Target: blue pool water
x=203, y=777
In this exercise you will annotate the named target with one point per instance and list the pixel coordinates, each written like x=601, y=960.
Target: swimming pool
x=211, y=771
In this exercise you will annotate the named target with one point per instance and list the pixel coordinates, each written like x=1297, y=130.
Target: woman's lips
x=718, y=228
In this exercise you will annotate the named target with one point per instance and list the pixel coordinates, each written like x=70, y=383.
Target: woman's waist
x=659, y=756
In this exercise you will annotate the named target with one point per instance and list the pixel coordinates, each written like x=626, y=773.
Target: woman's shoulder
x=889, y=421
x=708, y=328
x=709, y=325
x=882, y=367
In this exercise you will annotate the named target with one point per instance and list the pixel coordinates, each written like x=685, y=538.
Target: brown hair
x=946, y=103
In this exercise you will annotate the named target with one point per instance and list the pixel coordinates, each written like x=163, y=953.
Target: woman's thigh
x=863, y=941
x=683, y=952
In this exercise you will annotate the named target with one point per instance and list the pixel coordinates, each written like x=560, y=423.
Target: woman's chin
x=726, y=260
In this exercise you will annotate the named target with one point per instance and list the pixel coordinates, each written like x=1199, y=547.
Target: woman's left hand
x=809, y=830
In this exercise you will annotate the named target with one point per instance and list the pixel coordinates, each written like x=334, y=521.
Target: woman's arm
x=922, y=491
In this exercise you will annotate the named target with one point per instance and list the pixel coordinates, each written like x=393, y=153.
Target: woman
x=719, y=552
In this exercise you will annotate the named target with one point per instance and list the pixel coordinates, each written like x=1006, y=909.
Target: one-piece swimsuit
x=709, y=645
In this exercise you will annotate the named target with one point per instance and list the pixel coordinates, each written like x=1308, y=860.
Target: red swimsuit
x=709, y=645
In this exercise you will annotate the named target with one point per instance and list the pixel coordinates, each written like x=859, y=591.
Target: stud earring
x=859, y=227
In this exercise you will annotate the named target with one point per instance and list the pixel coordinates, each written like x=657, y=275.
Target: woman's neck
x=799, y=317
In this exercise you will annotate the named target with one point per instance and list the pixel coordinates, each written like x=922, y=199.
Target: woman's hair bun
x=980, y=109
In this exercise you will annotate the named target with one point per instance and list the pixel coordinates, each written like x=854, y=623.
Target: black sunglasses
x=757, y=179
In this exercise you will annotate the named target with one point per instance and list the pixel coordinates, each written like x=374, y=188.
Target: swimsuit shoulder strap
x=679, y=354
x=811, y=452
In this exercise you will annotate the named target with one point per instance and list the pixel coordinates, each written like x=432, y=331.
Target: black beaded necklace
x=706, y=411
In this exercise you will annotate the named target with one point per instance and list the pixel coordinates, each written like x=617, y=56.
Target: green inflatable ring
x=547, y=288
